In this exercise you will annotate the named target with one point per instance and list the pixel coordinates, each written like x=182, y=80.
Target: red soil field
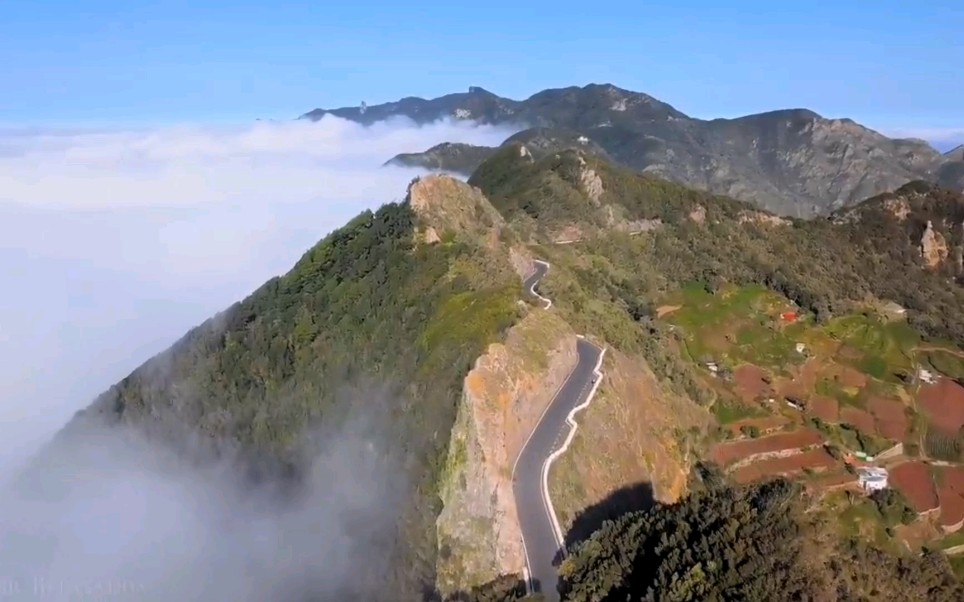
x=953, y=477
x=914, y=480
x=891, y=420
x=944, y=402
x=749, y=382
x=728, y=453
x=846, y=352
x=951, y=494
x=852, y=378
x=859, y=418
x=824, y=408
x=816, y=458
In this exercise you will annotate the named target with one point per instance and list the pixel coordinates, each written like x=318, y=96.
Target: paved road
x=531, y=282
x=539, y=535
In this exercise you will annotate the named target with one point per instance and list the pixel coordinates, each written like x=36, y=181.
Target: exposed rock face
x=791, y=162
x=446, y=205
x=933, y=247
x=640, y=225
x=591, y=184
x=431, y=236
x=698, y=215
x=628, y=436
x=898, y=207
x=503, y=398
x=521, y=260
x=960, y=253
x=758, y=217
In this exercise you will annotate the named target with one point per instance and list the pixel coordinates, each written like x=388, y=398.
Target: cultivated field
x=824, y=408
x=815, y=459
x=730, y=453
x=891, y=417
x=794, y=394
x=914, y=480
x=951, y=494
x=944, y=404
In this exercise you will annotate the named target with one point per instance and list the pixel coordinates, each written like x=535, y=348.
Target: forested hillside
x=366, y=317
x=825, y=265
x=750, y=544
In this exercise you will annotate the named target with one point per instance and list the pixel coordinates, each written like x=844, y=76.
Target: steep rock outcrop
x=590, y=182
x=449, y=207
x=933, y=247
x=633, y=432
x=503, y=397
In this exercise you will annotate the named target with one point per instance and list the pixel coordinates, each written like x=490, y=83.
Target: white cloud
x=113, y=243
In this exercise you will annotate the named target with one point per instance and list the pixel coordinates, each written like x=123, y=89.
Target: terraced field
x=814, y=401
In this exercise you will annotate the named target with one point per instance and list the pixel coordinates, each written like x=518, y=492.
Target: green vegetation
x=949, y=362
x=750, y=431
x=886, y=347
x=942, y=445
x=727, y=412
x=363, y=308
x=755, y=543
x=827, y=268
x=736, y=325
x=731, y=275
x=893, y=507
x=953, y=540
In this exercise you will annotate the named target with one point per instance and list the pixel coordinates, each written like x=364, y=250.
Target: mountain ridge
x=790, y=161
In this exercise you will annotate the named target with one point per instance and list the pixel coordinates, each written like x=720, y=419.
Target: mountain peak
x=956, y=153
x=447, y=207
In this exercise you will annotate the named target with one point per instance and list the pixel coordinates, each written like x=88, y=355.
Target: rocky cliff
x=636, y=440
x=503, y=398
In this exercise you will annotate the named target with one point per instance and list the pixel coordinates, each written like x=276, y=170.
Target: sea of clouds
x=112, y=245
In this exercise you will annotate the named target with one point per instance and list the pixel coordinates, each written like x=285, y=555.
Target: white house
x=872, y=478
x=927, y=376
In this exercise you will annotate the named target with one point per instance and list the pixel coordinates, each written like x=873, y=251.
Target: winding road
x=542, y=537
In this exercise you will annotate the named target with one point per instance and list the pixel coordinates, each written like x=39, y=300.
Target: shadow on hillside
x=502, y=589
x=625, y=499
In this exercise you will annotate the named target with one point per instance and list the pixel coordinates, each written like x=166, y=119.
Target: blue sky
x=891, y=64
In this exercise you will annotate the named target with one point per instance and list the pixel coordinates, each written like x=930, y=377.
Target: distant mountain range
x=793, y=162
